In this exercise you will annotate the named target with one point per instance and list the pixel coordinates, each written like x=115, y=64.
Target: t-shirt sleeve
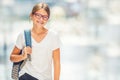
x=19, y=42
x=56, y=42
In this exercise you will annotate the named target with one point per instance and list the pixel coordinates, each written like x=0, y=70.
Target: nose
x=40, y=19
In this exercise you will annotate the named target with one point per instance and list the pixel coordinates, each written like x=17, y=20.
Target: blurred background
x=89, y=31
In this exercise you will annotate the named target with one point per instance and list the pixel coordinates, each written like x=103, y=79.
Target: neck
x=38, y=29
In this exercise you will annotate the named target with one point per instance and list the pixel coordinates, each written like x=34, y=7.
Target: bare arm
x=16, y=57
x=56, y=61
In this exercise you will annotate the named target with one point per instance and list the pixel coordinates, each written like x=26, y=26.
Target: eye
x=38, y=15
x=45, y=16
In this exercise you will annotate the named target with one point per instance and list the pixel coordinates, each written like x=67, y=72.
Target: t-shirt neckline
x=42, y=39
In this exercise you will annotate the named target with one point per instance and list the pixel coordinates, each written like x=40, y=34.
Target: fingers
x=27, y=50
x=24, y=55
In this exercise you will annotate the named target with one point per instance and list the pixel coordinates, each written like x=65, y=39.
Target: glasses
x=38, y=15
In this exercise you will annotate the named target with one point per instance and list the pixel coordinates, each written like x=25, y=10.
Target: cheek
x=33, y=19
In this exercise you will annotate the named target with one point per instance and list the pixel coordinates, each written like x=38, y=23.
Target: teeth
x=40, y=22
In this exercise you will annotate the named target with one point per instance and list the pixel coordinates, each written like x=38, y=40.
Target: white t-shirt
x=40, y=65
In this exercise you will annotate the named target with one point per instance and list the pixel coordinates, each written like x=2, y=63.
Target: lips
x=40, y=22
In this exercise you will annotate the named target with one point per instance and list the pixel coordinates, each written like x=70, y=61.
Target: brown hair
x=41, y=6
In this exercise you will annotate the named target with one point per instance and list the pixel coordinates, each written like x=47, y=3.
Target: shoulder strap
x=27, y=34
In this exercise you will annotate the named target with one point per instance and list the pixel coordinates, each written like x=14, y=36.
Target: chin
x=40, y=24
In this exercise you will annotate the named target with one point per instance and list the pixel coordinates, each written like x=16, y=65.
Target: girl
x=45, y=48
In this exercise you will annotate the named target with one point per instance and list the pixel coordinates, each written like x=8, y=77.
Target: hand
x=26, y=50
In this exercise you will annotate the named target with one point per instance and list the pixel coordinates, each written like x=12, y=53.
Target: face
x=40, y=17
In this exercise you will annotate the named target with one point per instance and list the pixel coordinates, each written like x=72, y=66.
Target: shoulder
x=21, y=33
x=53, y=33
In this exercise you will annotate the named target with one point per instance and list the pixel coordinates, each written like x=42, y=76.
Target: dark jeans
x=27, y=77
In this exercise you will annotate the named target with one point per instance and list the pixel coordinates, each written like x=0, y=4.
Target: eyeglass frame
x=38, y=15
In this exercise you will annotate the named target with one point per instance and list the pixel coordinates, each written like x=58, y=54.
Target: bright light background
x=89, y=31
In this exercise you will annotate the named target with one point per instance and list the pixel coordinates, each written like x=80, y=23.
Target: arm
x=16, y=57
x=56, y=61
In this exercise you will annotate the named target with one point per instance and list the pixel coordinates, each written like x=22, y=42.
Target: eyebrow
x=41, y=14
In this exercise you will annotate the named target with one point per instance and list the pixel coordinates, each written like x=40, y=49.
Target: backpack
x=17, y=66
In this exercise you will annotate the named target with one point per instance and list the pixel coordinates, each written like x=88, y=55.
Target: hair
x=41, y=6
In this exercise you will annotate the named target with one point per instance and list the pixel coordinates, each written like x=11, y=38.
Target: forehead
x=41, y=11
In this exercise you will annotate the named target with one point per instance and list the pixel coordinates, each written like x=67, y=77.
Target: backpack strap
x=27, y=34
x=17, y=66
